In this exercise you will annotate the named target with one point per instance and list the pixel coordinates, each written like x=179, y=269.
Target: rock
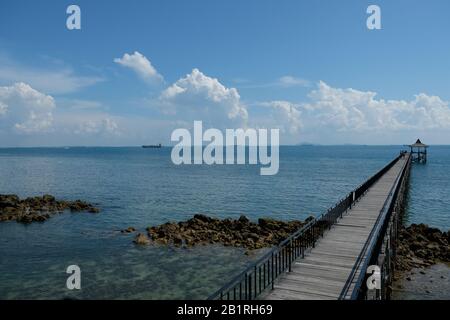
x=48, y=198
x=241, y=232
x=253, y=236
x=202, y=217
x=128, y=230
x=267, y=223
x=93, y=210
x=141, y=239
x=38, y=209
x=8, y=200
x=421, y=246
x=25, y=219
x=177, y=240
x=243, y=219
x=39, y=218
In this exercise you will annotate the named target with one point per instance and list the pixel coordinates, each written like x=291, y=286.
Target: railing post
x=272, y=272
x=276, y=266
x=264, y=275
x=240, y=290
x=250, y=286
x=302, y=246
x=256, y=291
x=245, y=287
x=313, y=236
x=290, y=255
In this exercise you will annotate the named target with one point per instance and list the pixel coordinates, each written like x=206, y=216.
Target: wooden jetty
x=324, y=271
x=329, y=257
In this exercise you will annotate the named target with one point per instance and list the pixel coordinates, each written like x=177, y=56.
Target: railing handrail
x=330, y=217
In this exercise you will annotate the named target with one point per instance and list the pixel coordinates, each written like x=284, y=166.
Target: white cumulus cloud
x=354, y=110
x=106, y=126
x=3, y=108
x=25, y=109
x=141, y=65
x=284, y=115
x=200, y=97
x=332, y=115
x=30, y=117
x=336, y=115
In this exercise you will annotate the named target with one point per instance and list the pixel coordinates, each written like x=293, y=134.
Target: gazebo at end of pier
x=418, y=151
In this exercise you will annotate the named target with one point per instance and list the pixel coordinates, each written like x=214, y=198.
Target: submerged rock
x=141, y=239
x=38, y=209
x=241, y=232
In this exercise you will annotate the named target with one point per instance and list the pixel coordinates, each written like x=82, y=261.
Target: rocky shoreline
x=421, y=246
x=38, y=209
x=202, y=229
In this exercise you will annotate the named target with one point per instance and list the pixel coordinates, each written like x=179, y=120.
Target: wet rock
x=93, y=210
x=243, y=219
x=141, y=239
x=38, y=209
x=9, y=200
x=241, y=232
x=420, y=246
x=48, y=198
x=128, y=230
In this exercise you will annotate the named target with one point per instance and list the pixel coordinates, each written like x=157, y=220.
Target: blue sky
x=307, y=67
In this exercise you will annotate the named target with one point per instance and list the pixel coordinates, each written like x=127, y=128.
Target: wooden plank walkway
x=324, y=271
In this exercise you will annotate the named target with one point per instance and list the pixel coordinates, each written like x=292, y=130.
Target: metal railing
x=261, y=275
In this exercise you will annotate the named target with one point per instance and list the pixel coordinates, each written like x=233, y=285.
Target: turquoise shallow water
x=141, y=187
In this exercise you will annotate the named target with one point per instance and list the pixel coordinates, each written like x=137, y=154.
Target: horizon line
x=170, y=146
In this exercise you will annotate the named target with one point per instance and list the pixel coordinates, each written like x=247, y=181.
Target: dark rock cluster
x=128, y=230
x=202, y=229
x=38, y=208
x=421, y=246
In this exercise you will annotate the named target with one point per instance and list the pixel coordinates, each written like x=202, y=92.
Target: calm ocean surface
x=141, y=187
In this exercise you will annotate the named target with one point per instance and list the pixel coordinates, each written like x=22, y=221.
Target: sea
x=138, y=187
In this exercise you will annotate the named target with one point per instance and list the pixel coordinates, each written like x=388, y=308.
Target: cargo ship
x=152, y=146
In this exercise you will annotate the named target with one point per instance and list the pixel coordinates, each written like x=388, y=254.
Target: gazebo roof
x=418, y=144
